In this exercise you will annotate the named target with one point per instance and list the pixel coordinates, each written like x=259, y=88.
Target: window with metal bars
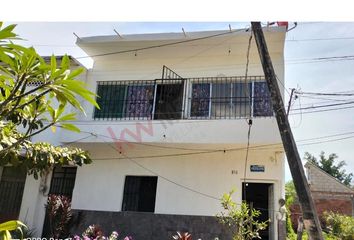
x=139, y=193
x=63, y=181
x=125, y=100
x=12, y=183
x=208, y=98
x=229, y=98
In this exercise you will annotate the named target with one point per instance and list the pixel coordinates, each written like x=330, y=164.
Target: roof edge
x=312, y=164
x=170, y=36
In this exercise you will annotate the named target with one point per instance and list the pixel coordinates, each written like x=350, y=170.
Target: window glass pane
x=241, y=99
x=140, y=101
x=221, y=100
x=111, y=101
x=200, y=100
x=262, y=105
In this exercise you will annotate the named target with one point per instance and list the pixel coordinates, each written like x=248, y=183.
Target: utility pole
x=310, y=218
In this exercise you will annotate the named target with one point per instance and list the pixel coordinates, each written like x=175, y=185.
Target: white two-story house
x=171, y=136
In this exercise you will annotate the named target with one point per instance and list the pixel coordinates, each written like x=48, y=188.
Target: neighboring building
x=169, y=141
x=328, y=193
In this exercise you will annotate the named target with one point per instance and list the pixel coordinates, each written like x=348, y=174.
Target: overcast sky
x=317, y=59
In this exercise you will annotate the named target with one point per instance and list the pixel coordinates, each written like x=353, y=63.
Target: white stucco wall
x=99, y=186
x=33, y=203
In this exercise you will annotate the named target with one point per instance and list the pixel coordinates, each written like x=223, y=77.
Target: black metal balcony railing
x=192, y=98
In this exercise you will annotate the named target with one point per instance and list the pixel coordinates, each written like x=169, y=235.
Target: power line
x=246, y=158
x=324, y=110
x=326, y=99
x=163, y=177
x=319, y=39
x=323, y=106
x=256, y=147
x=327, y=94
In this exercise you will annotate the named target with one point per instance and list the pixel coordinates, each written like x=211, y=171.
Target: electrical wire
x=327, y=94
x=159, y=175
x=323, y=110
x=256, y=147
x=246, y=160
x=326, y=99
x=132, y=159
x=323, y=106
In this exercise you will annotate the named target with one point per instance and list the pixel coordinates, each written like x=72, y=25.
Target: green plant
x=59, y=213
x=241, y=220
x=339, y=226
x=94, y=232
x=34, y=95
x=7, y=227
x=290, y=233
x=23, y=232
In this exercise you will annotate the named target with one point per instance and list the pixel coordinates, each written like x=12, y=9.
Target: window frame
x=127, y=193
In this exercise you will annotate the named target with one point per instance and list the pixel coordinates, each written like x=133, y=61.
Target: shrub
x=59, y=214
x=240, y=219
x=340, y=226
x=95, y=232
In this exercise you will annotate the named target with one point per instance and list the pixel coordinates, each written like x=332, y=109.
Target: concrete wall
x=150, y=226
x=209, y=173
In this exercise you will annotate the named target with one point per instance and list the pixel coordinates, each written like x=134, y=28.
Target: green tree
x=27, y=111
x=328, y=165
x=290, y=193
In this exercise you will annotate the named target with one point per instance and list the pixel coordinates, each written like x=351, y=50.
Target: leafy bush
x=290, y=233
x=95, y=232
x=59, y=214
x=240, y=219
x=339, y=226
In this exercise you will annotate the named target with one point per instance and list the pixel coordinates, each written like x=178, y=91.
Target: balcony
x=191, y=98
x=182, y=110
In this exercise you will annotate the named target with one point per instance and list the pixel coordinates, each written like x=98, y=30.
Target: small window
x=63, y=181
x=139, y=194
x=12, y=183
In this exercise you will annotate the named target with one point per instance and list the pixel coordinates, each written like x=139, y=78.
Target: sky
x=317, y=60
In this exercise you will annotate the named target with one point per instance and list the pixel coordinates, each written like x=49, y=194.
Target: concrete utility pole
x=310, y=218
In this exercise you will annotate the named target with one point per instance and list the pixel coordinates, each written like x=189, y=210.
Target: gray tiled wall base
x=149, y=226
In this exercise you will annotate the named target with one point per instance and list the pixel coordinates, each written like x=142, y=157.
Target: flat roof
x=168, y=36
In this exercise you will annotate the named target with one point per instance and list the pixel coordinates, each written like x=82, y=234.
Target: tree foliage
x=290, y=193
x=328, y=165
x=33, y=97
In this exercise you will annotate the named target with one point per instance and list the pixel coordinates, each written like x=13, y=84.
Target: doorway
x=169, y=101
x=260, y=196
